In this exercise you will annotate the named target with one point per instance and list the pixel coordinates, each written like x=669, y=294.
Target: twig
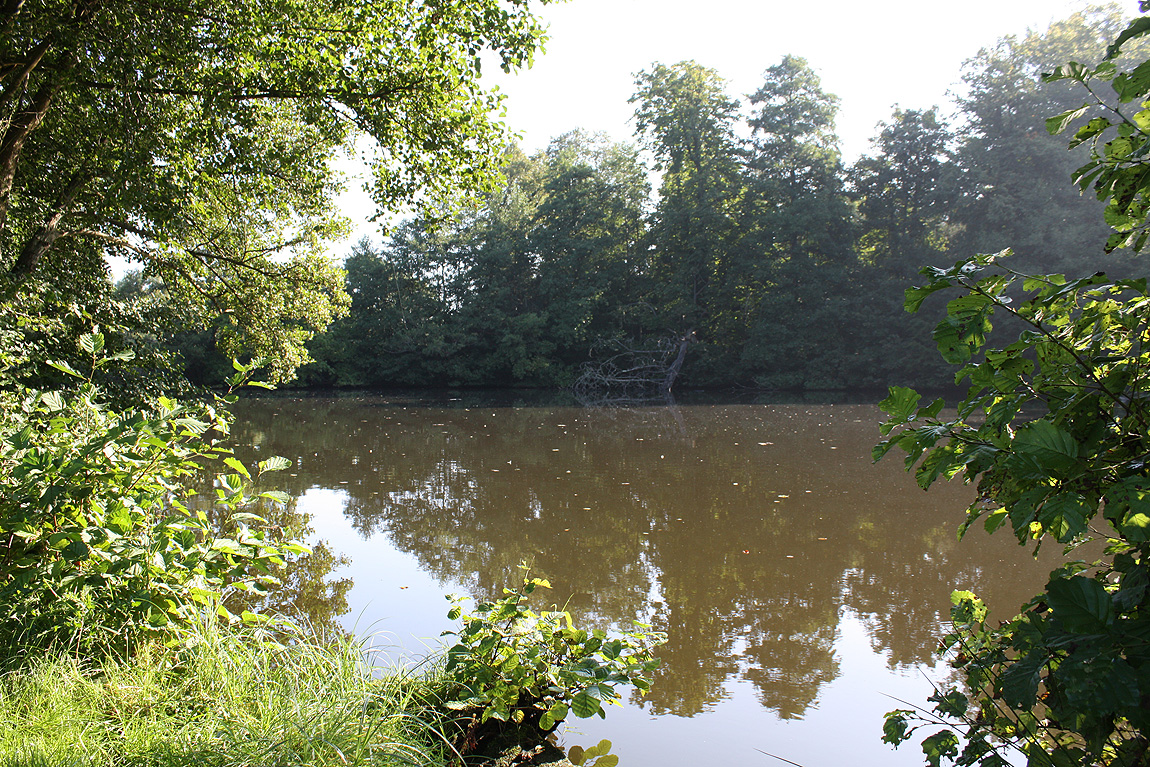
x=780, y=758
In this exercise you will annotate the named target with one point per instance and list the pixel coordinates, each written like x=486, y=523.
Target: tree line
x=788, y=263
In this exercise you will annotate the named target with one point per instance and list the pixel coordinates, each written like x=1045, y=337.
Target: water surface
x=798, y=583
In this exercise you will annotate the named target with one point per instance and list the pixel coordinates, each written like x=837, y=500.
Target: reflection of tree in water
x=890, y=590
x=789, y=669
x=752, y=528
x=305, y=591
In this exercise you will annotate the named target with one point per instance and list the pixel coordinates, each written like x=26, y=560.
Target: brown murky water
x=799, y=584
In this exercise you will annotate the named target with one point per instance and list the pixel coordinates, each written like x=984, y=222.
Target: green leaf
x=1019, y=682
x=1080, y=604
x=1136, y=29
x=584, y=705
x=237, y=465
x=92, y=343
x=900, y=403
x=1134, y=84
x=895, y=727
x=1060, y=122
x=952, y=704
x=76, y=551
x=552, y=716
x=1094, y=127
x=1065, y=515
x=915, y=296
x=53, y=400
x=600, y=749
x=275, y=463
x=941, y=744
x=64, y=367
x=960, y=335
x=1135, y=527
x=1048, y=447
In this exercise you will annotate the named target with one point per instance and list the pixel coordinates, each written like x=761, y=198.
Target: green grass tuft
x=226, y=698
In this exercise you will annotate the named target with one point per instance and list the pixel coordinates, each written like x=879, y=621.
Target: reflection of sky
x=403, y=608
x=400, y=605
x=843, y=728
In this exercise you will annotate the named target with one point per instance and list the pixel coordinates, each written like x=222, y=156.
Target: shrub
x=101, y=540
x=520, y=667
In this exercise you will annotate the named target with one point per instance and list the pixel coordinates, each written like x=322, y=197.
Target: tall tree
x=795, y=251
x=686, y=120
x=512, y=290
x=588, y=234
x=1017, y=194
x=905, y=193
x=195, y=138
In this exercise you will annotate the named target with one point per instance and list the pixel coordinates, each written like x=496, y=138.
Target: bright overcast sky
x=872, y=55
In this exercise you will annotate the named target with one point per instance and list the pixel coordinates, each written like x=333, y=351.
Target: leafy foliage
x=598, y=755
x=1013, y=184
x=1054, y=429
x=103, y=542
x=1117, y=139
x=760, y=238
x=518, y=666
x=510, y=290
x=197, y=140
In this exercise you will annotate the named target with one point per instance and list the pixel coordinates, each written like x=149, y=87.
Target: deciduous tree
x=197, y=140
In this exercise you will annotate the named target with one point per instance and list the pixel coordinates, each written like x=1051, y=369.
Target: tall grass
x=226, y=698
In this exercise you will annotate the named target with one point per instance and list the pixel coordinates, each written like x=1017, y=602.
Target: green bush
x=517, y=666
x=101, y=540
x=1055, y=430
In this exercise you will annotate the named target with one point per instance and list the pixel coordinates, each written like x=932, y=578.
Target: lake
x=801, y=586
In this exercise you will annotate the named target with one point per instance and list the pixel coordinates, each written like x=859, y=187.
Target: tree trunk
x=677, y=365
x=42, y=240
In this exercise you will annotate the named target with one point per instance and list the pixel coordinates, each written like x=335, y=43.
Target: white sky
x=872, y=55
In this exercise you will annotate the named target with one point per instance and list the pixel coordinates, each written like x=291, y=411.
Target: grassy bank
x=229, y=698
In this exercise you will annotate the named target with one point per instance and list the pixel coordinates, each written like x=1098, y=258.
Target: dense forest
x=788, y=264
